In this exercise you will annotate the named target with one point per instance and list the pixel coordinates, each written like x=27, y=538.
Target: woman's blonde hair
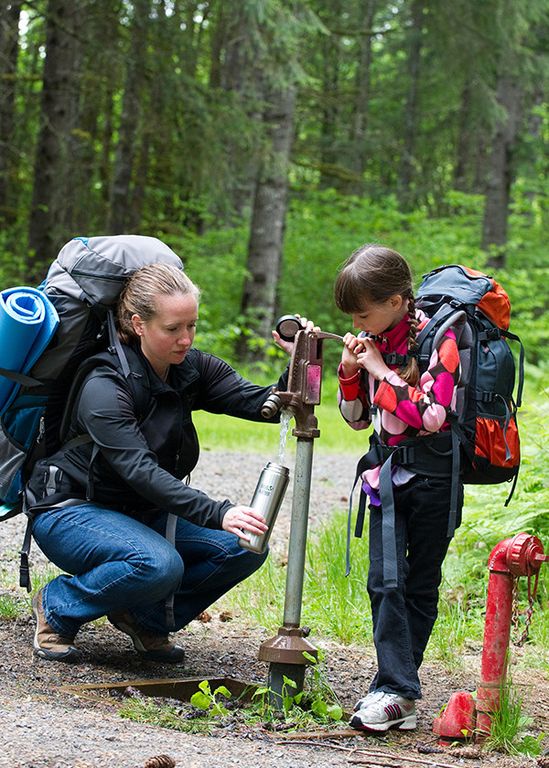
x=372, y=274
x=141, y=291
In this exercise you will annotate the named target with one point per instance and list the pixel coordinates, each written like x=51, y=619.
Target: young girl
x=407, y=474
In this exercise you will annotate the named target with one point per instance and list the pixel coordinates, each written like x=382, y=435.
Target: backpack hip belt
x=437, y=456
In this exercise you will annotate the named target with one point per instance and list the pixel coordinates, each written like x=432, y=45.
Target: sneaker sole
x=404, y=724
x=72, y=654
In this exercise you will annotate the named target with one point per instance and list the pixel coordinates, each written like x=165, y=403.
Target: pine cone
x=160, y=761
x=473, y=753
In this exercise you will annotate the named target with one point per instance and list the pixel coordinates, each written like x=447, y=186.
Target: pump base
x=287, y=647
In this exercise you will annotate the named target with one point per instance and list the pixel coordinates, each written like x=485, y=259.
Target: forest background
x=265, y=140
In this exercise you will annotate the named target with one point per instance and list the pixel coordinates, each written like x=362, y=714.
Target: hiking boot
x=386, y=710
x=47, y=643
x=148, y=645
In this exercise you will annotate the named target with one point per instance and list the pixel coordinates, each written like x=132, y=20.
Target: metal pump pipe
x=284, y=652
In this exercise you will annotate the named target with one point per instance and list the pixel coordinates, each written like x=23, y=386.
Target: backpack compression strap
x=20, y=378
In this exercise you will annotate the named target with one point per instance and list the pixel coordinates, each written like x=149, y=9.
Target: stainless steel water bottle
x=266, y=500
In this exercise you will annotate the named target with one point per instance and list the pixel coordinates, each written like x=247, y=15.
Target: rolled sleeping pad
x=28, y=321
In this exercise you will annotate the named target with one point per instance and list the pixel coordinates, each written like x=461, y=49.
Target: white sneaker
x=367, y=700
x=386, y=711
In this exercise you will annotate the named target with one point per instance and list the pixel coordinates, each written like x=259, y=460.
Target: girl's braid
x=410, y=372
x=412, y=333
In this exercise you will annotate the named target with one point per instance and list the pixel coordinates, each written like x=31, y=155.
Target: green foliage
x=11, y=607
x=209, y=701
x=164, y=715
x=316, y=704
x=324, y=228
x=509, y=726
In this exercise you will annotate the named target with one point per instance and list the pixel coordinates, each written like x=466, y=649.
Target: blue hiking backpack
x=46, y=333
x=489, y=393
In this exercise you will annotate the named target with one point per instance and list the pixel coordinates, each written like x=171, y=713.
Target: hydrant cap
x=524, y=555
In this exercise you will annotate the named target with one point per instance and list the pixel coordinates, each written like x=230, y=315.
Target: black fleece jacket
x=143, y=441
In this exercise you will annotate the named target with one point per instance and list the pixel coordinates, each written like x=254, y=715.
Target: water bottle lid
x=280, y=468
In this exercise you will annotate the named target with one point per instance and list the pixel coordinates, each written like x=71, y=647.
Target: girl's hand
x=288, y=346
x=351, y=347
x=371, y=360
x=240, y=519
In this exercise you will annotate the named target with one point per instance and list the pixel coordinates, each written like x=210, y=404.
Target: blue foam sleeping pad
x=28, y=321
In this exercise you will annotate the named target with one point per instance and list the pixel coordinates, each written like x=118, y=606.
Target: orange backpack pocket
x=497, y=449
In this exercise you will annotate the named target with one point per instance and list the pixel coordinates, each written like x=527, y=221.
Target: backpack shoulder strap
x=134, y=379
x=431, y=334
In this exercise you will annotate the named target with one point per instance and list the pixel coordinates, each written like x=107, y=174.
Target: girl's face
x=378, y=317
x=169, y=334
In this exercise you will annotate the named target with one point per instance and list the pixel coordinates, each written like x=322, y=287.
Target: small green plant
x=509, y=726
x=11, y=607
x=320, y=696
x=149, y=711
x=208, y=701
x=290, y=700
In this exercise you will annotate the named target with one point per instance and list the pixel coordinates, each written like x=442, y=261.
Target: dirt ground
x=45, y=727
x=42, y=726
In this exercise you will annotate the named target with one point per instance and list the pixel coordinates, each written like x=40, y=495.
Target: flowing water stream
x=285, y=418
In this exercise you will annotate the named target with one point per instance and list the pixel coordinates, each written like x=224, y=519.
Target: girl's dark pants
x=403, y=617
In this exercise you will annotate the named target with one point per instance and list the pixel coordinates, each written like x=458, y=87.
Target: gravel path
x=43, y=727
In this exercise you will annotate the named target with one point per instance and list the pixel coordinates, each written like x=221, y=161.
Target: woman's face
x=169, y=334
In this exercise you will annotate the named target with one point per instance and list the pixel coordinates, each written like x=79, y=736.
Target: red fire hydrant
x=521, y=555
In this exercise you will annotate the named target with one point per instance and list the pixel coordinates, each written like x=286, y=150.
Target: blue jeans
x=118, y=563
x=404, y=616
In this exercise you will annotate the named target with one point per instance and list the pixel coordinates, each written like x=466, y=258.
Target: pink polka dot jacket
x=397, y=410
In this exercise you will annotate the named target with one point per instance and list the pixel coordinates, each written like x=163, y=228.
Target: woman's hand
x=371, y=360
x=288, y=346
x=240, y=519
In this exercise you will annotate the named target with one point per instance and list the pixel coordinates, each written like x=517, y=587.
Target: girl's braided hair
x=372, y=274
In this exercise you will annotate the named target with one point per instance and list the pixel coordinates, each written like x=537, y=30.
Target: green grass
x=13, y=607
x=509, y=726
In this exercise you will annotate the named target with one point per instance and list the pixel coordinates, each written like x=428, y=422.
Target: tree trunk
x=48, y=223
x=105, y=170
x=462, y=168
x=500, y=172
x=406, y=194
x=330, y=102
x=120, y=208
x=93, y=140
x=359, y=122
x=9, y=39
x=240, y=77
x=268, y=216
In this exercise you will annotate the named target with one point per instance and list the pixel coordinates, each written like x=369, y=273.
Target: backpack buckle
x=490, y=334
x=406, y=455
